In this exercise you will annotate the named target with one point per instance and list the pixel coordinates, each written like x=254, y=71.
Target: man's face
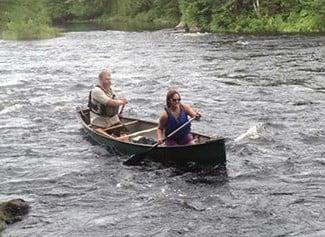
x=107, y=80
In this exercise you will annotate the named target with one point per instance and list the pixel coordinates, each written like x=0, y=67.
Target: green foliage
x=27, y=20
x=197, y=13
x=59, y=10
x=167, y=8
x=30, y=19
x=5, y=7
x=140, y=6
x=29, y=29
x=140, y=15
x=120, y=8
x=318, y=7
x=85, y=9
x=269, y=16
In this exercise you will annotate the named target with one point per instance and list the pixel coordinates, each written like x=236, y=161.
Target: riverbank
x=118, y=23
x=23, y=21
x=29, y=31
x=223, y=23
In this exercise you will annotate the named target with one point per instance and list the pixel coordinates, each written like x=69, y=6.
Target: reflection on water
x=120, y=26
x=266, y=91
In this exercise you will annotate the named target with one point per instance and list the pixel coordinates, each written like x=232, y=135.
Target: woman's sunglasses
x=175, y=100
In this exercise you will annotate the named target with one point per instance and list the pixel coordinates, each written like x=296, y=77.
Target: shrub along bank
x=20, y=19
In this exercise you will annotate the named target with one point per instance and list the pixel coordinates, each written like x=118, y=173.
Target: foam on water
x=253, y=132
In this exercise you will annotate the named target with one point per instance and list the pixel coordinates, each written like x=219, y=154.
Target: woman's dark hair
x=170, y=95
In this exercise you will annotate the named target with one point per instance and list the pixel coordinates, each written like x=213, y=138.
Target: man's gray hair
x=102, y=73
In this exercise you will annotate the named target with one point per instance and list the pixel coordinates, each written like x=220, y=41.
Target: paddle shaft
x=139, y=157
x=176, y=130
x=171, y=134
x=122, y=109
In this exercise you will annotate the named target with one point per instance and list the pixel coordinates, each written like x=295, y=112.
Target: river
x=265, y=94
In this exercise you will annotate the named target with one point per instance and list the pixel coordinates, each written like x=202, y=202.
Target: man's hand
x=123, y=101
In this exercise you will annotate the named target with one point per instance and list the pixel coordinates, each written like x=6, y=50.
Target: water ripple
x=266, y=91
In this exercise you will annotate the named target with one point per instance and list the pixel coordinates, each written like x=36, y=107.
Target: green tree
x=27, y=20
x=318, y=7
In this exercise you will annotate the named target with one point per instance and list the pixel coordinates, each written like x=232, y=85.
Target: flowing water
x=265, y=94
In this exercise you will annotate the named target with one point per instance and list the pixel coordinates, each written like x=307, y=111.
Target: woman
x=173, y=117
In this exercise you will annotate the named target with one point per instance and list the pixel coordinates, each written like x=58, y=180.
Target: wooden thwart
x=119, y=126
x=141, y=132
x=105, y=131
x=102, y=131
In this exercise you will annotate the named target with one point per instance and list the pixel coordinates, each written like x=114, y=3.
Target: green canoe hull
x=210, y=151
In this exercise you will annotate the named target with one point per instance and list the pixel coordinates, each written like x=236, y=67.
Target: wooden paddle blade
x=135, y=159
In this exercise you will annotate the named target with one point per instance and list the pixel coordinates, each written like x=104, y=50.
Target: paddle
x=137, y=158
x=120, y=113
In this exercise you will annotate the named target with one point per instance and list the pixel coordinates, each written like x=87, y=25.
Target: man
x=102, y=103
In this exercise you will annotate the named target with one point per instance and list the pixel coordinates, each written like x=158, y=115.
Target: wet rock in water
x=299, y=103
x=195, y=29
x=12, y=211
x=182, y=27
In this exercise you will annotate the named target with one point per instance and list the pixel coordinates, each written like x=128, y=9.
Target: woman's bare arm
x=161, y=126
x=191, y=112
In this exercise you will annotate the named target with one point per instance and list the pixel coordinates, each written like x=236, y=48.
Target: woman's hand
x=160, y=141
x=197, y=116
x=191, y=112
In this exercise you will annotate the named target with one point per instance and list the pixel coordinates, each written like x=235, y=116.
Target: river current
x=265, y=94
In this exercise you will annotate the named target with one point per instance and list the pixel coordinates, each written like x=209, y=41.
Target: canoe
x=135, y=136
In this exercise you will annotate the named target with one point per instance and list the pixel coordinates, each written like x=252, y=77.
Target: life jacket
x=101, y=109
x=173, y=124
